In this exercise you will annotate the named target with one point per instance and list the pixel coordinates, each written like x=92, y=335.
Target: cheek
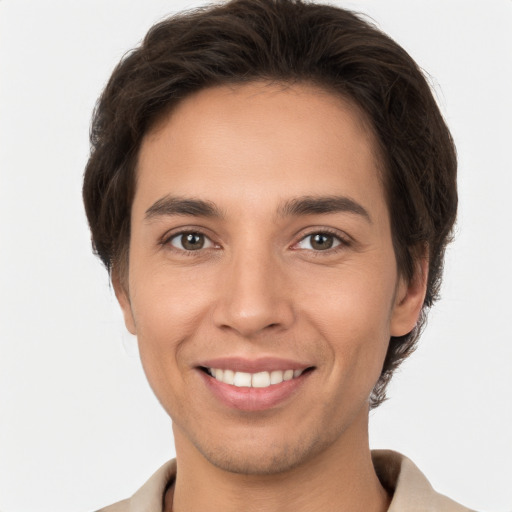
x=354, y=299
x=167, y=309
x=352, y=311
x=167, y=300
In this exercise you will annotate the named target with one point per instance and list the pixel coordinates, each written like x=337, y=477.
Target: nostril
x=252, y=314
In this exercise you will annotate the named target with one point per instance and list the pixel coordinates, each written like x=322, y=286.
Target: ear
x=409, y=299
x=123, y=297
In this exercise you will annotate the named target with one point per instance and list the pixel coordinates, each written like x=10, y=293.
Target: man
x=271, y=187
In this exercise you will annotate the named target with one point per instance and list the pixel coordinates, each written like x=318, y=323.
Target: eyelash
x=343, y=241
x=167, y=238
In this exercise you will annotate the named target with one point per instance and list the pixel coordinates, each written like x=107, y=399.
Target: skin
x=258, y=287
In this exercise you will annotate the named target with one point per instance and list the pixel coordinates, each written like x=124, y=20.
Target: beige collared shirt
x=410, y=489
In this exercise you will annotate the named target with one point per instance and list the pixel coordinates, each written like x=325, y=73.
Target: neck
x=340, y=478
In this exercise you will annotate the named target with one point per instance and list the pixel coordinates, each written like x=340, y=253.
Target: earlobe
x=124, y=301
x=409, y=300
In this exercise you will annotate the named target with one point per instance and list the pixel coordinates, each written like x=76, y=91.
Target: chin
x=258, y=457
x=280, y=461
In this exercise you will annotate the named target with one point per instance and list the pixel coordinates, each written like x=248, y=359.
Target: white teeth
x=288, y=375
x=260, y=380
x=276, y=377
x=228, y=377
x=255, y=380
x=242, y=380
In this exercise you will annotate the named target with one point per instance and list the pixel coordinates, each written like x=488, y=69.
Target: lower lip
x=253, y=399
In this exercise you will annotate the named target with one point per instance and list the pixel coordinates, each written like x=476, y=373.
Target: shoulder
x=410, y=489
x=149, y=497
x=120, y=506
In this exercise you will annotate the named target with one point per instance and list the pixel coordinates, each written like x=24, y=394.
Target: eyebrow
x=172, y=205
x=315, y=205
x=306, y=205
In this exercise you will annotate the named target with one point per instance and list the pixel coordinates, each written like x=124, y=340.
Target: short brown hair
x=285, y=41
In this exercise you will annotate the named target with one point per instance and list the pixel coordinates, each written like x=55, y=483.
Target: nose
x=253, y=296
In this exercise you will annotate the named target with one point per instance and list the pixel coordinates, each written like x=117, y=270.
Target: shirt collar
x=410, y=489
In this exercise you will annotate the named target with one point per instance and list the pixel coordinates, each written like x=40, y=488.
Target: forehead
x=261, y=141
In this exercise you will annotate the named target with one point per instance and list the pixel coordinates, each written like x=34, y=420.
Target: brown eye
x=190, y=241
x=319, y=242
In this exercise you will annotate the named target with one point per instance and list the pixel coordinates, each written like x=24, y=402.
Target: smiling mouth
x=253, y=380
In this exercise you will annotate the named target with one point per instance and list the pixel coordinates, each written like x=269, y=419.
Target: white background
x=79, y=427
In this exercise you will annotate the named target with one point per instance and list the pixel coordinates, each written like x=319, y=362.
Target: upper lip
x=262, y=364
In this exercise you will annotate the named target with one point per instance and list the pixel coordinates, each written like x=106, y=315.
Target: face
x=262, y=281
